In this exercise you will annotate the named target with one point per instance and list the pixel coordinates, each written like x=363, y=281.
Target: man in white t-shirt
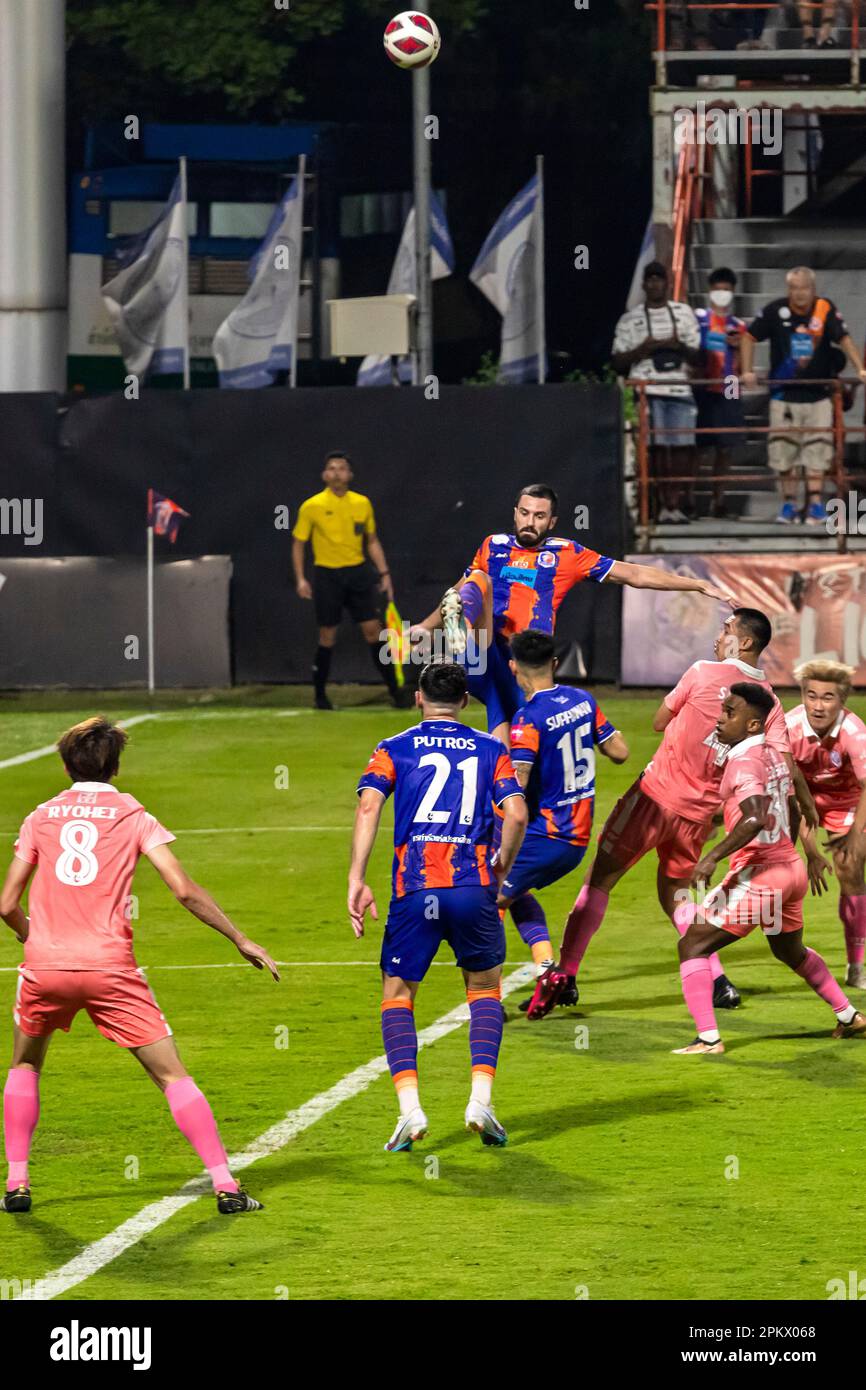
x=658, y=342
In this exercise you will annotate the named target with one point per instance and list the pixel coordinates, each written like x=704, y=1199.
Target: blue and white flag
x=376, y=371
x=504, y=271
x=146, y=300
x=260, y=336
x=646, y=254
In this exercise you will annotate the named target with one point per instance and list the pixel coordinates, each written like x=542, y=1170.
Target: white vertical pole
x=185, y=279
x=423, y=357
x=33, y=252
x=151, y=682
x=293, y=370
x=539, y=270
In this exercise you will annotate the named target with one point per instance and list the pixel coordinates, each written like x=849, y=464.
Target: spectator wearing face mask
x=719, y=405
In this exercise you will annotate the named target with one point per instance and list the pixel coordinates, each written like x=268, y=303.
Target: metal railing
x=647, y=483
x=664, y=8
x=691, y=201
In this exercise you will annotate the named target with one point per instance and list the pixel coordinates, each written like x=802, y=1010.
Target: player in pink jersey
x=670, y=807
x=828, y=743
x=84, y=845
x=766, y=881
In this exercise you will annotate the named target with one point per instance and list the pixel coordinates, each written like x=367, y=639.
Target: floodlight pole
x=422, y=357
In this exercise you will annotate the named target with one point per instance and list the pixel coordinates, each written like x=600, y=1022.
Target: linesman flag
x=163, y=515
x=506, y=271
x=259, y=338
x=146, y=300
x=376, y=371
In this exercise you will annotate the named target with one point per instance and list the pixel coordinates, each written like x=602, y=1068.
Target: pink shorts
x=769, y=896
x=120, y=1003
x=837, y=820
x=638, y=824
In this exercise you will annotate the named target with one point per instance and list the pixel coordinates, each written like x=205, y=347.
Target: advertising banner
x=816, y=603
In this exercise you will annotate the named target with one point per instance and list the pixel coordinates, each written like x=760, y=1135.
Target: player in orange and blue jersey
x=517, y=582
x=553, y=741
x=446, y=779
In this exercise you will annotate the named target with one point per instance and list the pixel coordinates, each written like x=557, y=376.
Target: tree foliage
x=245, y=56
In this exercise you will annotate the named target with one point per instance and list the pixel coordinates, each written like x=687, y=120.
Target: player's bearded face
x=531, y=526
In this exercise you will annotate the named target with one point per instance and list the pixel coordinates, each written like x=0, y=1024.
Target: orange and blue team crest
x=163, y=515
x=556, y=732
x=529, y=585
x=443, y=826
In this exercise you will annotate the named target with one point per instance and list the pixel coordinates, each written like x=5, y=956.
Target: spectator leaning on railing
x=802, y=329
x=719, y=405
x=657, y=342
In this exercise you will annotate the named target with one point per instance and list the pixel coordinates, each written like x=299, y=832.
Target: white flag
x=504, y=271
x=376, y=371
x=646, y=254
x=146, y=301
x=260, y=336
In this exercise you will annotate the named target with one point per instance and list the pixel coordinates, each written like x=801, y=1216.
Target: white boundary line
x=52, y=747
x=102, y=1252
x=262, y=829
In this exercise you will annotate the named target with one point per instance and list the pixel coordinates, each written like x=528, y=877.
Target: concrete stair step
x=780, y=257
x=773, y=231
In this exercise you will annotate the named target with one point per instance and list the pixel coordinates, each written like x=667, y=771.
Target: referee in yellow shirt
x=338, y=521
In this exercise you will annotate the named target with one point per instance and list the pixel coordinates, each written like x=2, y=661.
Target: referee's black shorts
x=354, y=587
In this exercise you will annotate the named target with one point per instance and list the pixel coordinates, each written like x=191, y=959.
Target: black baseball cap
x=655, y=268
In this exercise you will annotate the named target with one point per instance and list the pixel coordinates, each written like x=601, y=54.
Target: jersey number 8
x=77, y=865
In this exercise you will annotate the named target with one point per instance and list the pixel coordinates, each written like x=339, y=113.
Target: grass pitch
x=630, y=1173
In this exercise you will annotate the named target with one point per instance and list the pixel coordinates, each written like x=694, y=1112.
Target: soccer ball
x=412, y=40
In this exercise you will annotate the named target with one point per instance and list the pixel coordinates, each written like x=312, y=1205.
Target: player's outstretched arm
x=615, y=747
x=754, y=812
x=646, y=577
x=199, y=902
x=16, y=881
x=360, y=897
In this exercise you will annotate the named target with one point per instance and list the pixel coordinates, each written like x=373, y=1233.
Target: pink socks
x=814, y=971
x=698, y=991
x=852, y=911
x=583, y=922
x=20, y=1117
x=682, y=919
x=194, y=1118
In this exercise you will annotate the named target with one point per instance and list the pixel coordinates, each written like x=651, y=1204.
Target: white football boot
x=855, y=977
x=453, y=622
x=482, y=1120
x=409, y=1128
